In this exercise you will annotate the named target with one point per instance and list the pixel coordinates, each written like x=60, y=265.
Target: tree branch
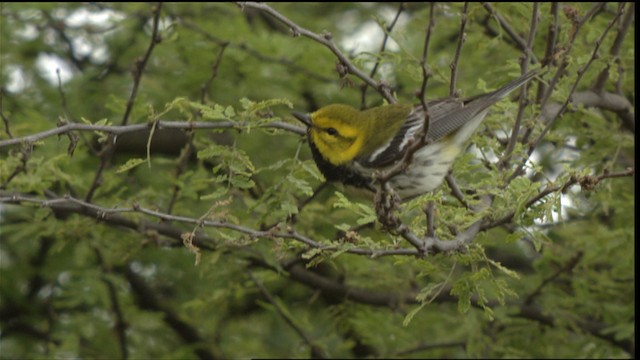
x=121, y=325
x=513, y=34
x=456, y=57
x=214, y=73
x=114, y=216
x=524, y=65
x=108, y=149
x=586, y=182
x=593, y=328
x=5, y=119
x=424, y=63
x=122, y=129
x=283, y=61
x=616, y=46
x=425, y=346
x=336, y=290
x=385, y=39
x=326, y=40
x=567, y=268
x=141, y=63
x=581, y=71
x=317, y=352
x=577, y=26
x=148, y=300
x=552, y=34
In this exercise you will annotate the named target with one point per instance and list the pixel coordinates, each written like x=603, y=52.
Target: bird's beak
x=305, y=118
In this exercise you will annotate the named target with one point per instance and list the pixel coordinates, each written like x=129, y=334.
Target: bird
x=349, y=145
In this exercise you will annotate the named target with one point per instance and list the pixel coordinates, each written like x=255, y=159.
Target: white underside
x=431, y=163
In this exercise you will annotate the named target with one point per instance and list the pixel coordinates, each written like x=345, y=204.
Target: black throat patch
x=342, y=173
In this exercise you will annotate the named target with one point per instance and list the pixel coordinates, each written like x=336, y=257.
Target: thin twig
x=326, y=40
x=122, y=129
x=316, y=350
x=426, y=70
x=141, y=63
x=586, y=182
x=424, y=63
x=63, y=98
x=513, y=139
x=431, y=346
x=623, y=29
x=107, y=151
x=430, y=218
x=188, y=148
x=577, y=26
x=24, y=153
x=455, y=190
x=552, y=35
x=567, y=268
x=387, y=200
x=513, y=34
x=5, y=119
x=581, y=71
x=214, y=72
x=114, y=216
x=456, y=57
x=316, y=191
x=185, y=156
x=457, y=244
x=385, y=39
x=262, y=58
x=73, y=138
x=120, y=326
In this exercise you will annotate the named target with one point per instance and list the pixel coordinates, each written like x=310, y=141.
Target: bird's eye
x=331, y=131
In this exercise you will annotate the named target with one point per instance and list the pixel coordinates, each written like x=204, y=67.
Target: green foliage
x=99, y=229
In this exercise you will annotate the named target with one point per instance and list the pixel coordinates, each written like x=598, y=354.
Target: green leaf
x=218, y=193
x=365, y=212
x=130, y=164
x=253, y=107
x=412, y=314
x=505, y=270
x=289, y=207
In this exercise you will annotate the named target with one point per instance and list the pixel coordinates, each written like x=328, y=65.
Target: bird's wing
x=445, y=117
x=395, y=148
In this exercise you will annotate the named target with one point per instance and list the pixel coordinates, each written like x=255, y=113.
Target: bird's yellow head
x=337, y=131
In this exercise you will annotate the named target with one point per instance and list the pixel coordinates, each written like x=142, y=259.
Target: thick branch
x=337, y=290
